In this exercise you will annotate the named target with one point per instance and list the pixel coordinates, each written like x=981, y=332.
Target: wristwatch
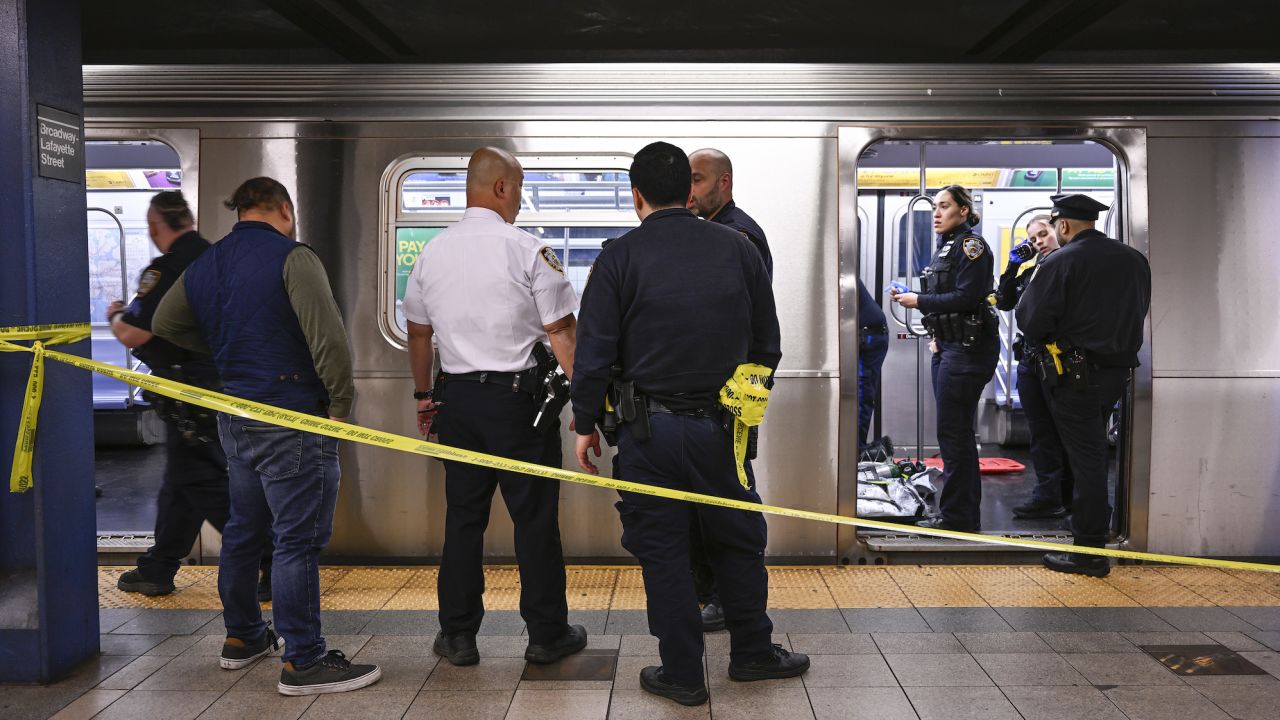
x=422, y=394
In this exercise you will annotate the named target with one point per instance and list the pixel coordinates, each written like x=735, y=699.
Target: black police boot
x=779, y=664
x=459, y=648
x=237, y=653
x=264, y=586
x=653, y=681
x=573, y=640
x=1039, y=509
x=134, y=582
x=938, y=523
x=712, y=617
x=1091, y=565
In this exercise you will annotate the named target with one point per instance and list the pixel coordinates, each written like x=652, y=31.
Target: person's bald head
x=712, y=181
x=495, y=181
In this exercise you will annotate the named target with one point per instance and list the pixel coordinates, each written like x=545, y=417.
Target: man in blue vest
x=261, y=305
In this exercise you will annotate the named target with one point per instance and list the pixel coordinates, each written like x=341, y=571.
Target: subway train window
x=1011, y=182
x=120, y=179
x=573, y=204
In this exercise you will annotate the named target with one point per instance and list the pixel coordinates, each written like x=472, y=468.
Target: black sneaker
x=332, y=673
x=1068, y=562
x=459, y=648
x=937, y=523
x=712, y=617
x=573, y=640
x=264, y=586
x=652, y=680
x=1036, y=510
x=237, y=653
x=133, y=582
x=780, y=664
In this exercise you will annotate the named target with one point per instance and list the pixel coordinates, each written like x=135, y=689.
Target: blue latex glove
x=1022, y=252
x=898, y=287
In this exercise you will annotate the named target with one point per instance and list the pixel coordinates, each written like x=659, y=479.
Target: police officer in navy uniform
x=1051, y=496
x=491, y=294
x=711, y=198
x=1089, y=300
x=953, y=299
x=679, y=304
x=873, y=346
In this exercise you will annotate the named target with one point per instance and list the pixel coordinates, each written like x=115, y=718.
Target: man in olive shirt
x=260, y=304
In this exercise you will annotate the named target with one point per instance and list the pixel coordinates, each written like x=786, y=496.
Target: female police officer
x=953, y=299
x=1052, y=493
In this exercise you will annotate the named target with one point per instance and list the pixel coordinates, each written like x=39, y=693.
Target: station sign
x=59, y=145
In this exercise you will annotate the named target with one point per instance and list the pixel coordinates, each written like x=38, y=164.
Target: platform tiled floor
x=887, y=643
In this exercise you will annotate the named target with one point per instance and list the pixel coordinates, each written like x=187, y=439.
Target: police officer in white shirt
x=489, y=292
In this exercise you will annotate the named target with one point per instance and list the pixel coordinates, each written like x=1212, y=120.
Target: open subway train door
x=888, y=179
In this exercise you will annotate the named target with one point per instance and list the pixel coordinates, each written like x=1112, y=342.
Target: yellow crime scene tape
x=58, y=334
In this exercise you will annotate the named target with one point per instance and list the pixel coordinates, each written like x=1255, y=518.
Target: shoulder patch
x=551, y=259
x=973, y=248
x=148, y=281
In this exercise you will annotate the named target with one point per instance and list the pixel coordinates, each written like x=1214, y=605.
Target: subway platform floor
x=887, y=643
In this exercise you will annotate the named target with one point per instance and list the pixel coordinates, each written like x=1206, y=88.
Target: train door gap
x=1011, y=179
x=121, y=177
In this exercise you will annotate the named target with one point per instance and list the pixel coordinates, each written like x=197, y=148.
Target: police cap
x=1075, y=207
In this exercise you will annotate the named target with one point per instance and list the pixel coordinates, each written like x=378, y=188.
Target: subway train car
x=837, y=163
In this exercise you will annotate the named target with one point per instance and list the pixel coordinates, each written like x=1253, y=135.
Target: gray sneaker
x=237, y=653
x=332, y=673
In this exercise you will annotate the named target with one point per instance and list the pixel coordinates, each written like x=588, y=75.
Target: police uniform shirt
x=153, y=284
x=487, y=288
x=679, y=303
x=971, y=267
x=1093, y=292
x=732, y=216
x=870, y=316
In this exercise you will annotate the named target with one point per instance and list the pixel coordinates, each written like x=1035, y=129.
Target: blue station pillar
x=48, y=555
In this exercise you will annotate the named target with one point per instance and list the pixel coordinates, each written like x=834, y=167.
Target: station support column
x=48, y=555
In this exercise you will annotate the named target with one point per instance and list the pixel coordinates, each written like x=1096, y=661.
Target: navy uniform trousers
x=695, y=454
x=490, y=418
x=1054, y=484
x=1081, y=416
x=959, y=375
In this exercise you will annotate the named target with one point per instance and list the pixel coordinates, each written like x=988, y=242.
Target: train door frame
x=1128, y=144
x=186, y=143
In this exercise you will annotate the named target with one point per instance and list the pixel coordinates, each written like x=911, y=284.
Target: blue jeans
x=292, y=476
x=873, y=346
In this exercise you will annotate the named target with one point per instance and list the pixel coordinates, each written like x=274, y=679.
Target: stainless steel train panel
x=1215, y=475
x=1214, y=258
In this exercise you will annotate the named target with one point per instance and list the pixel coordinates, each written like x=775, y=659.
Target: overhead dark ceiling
x=433, y=31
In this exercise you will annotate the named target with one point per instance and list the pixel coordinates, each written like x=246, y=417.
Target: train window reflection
x=573, y=204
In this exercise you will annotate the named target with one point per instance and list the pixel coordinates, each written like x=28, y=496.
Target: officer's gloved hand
x=1022, y=252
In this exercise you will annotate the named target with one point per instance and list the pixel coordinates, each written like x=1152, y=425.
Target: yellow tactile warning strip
x=592, y=587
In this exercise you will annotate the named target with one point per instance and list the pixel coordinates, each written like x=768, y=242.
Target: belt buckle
x=483, y=376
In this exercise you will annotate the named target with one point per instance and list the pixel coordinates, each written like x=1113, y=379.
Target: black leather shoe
x=574, y=639
x=712, y=617
x=780, y=664
x=652, y=680
x=459, y=648
x=134, y=582
x=1036, y=510
x=1091, y=565
x=938, y=523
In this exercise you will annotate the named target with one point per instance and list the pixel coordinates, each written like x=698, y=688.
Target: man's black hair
x=660, y=171
x=261, y=193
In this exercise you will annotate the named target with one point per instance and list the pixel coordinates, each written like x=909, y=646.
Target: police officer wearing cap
x=1082, y=313
x=491, y=295
x=711, y=198
x=953, y=300
x=680, y=305
x=1051, y=496
x=194, y=488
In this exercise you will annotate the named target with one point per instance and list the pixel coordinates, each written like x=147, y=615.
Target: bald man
x=711, y=198
x=492, y=296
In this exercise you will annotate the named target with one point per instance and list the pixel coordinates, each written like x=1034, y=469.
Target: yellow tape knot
x=746, y=396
